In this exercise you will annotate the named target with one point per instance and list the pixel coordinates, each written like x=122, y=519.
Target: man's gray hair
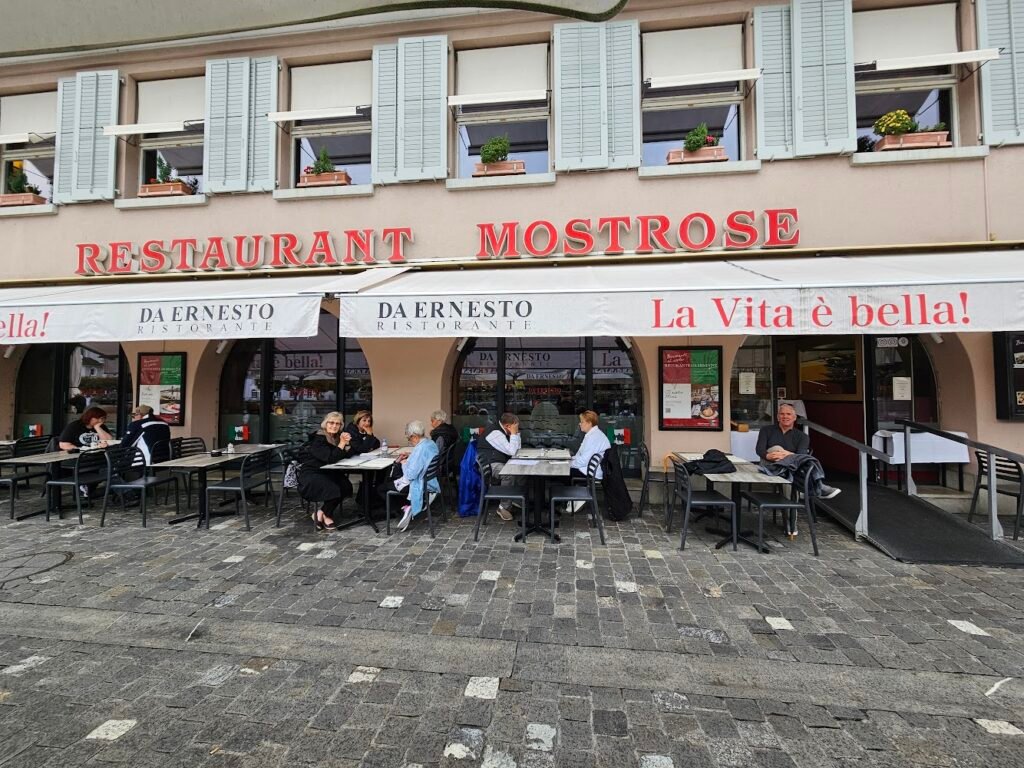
x=787, y=405
x=439, y=415
x=415, y=428
x=145, y=410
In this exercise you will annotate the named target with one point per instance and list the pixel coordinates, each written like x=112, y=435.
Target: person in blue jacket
x=413, y=467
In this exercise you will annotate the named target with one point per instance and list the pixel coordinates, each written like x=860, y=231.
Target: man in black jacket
x=147, y=432
x=440, y=428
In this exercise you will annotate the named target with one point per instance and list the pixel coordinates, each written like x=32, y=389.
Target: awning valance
x=920, y=293
x=163, y=311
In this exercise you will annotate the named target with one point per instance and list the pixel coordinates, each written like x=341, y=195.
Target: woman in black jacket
x=327, y=445
x=360, y=432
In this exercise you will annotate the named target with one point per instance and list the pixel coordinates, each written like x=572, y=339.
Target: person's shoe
x=406, y=517
x=318, y=522
x=828, y=492
x=504, y=512
x=84, y=490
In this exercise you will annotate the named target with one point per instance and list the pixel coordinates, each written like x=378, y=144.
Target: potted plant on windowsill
x=322, y=174
x=167, y=185
x=20, y=192
x=494, y=159
x=900, y=131
x=699, y=146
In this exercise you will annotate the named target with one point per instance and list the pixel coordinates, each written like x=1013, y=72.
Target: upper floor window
x=330, y=115
x=27, y=128
x=693, y=77
x=502, y=92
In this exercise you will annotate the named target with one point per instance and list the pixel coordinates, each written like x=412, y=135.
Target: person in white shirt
x=500, y=445
x=595, y=442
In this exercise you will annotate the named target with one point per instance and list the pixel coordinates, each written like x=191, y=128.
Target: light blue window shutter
x=262, y=162
x=422, y=108
x=384, y=118
x=1001, y=25
x=95, y=154
x=622, y=63
x=825, y=117
x=64, y=151
x=581, y=97
x=226, y=147
x=773, y=53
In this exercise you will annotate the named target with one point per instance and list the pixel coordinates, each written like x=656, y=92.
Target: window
x=692, y=76
x=502, y=92
x=331, y=109
x=750, y=385
x=27, y=128
x=182, y=152
x=904, y=58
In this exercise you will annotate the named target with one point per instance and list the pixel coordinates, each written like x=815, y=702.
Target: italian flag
x=619, y=436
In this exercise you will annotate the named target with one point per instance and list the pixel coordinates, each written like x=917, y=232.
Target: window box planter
x=921, y=140
x=165, y=189
x=22, y=198
x=715, y=154
x=332, y=179
x=501, y=168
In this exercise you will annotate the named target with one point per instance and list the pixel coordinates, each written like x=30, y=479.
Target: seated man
x=146, y=432
x=441, y=429
x=500, y=445
x=412, y=466
x=784, y=450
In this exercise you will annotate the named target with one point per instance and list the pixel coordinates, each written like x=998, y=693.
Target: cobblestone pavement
x=168, y=646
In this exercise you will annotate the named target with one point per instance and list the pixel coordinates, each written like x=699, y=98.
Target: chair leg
x=103, y=512
x=597, y=518
x=735, y=524
x=177, y=499
x=430, y=517
x=1020, y=509
x=686, y=528
x=387, y=511
x=480, y=511
x=811, y=523
x=245, y=508
x=974, y=498
x=78, y=504
x=206, y=518
x=551, y=519
x=142, y=501
x=760, y=528
x=644, y=489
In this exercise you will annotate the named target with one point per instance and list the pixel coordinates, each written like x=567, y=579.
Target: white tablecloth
x=925, y=447
x=744, y=445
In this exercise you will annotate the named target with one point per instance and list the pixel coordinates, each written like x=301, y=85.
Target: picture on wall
x=162, y=385
x=690, y=388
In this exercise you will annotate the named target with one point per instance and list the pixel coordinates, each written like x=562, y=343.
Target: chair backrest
x=682, y=480
x=124, y=460
x=432, y=472
x=90, y=462
x=32, y=446
x=592, y=466
x=255, y=467
x=161, y=451
x=1006, y=469
x=486, y=475
x=645, y=459
x=191, y=446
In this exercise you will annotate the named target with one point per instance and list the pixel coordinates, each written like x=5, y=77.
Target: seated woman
x=360, y=432
x=327, y=445
x=85, y=431
x=413, y=467
x=594, y=442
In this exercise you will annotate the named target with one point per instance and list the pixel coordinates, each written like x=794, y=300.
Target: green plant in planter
x=495, y=150
x=322, y=164
x=895, y=123
x=17, y=183
x=699, y=138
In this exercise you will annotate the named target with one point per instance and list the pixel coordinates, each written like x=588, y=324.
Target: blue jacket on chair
x=469, y=482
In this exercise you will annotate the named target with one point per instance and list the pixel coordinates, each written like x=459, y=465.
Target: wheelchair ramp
x=913, y=530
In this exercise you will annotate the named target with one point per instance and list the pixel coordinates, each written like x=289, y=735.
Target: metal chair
x=775, y=502
x=650, y=476
x=691, y=499
x=180, y=448
x=121, y=464
x=282, y=457
x=1007, y=471
x=431, y=473
x=28, y=446
x=90, y=469
x=575, y=493
x=499, y=493
x=254, y=473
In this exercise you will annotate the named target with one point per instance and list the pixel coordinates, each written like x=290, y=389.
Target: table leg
x=747, y=537
x=369, y=481
x=201, y=504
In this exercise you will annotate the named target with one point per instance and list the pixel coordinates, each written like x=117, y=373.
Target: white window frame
x=349, y=128
x=158, y=142
x=25, y=151
x=502, y=113
x=908, y=82
x=650, y=101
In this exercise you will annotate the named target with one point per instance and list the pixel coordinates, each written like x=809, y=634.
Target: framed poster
x=162, y=385
x=1008, y=356
x=690, y=388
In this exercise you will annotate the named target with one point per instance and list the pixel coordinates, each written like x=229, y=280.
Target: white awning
x=285, y=307
x=905, y=33
x=494, y=75
x=937, y=60
x=690, y=52
x=136, y=129
x=704, y=78
x=313, y=114
x=920, y=293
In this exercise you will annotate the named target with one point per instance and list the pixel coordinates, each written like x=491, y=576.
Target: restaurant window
x=547, y=383
x=27, y=130
x=693, y=76
x=331, y=110
x=906, y=58
x=502, y=92
x=169, y=130
x=750, y=383
x=826, y=368
x=35, y=392
x=94, y=380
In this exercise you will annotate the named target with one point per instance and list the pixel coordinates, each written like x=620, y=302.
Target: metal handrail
x=863, y=451
x=991, y=451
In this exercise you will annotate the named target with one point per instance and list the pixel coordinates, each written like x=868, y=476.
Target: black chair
x=254, y=473
x=284, y=456
x=803, y=501
x=692, y=499
x=499, y=493
x=446, y=474
x=90, y=469
x=127, y=471
x=1007, y=471
x=29, y=446
x=432, y=473
x=180, y=448
x=575, y=493
x=650, y=476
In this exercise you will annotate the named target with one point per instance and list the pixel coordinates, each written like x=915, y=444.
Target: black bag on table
x=712, y=463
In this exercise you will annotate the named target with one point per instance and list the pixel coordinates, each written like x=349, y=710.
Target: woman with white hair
x=412, y=466
x=440, y=429
x=327, y=445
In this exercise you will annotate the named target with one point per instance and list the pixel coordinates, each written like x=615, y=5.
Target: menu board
x=162, y=385
x=1008, y=355
x=690, y=393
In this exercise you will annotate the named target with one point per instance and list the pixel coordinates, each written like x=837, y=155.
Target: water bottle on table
x=383, y=447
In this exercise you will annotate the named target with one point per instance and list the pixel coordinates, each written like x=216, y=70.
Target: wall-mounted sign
x=162, y=385
x=690, y=388
x=1008, y=356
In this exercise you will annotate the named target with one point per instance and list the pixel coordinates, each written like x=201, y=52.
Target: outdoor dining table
x=47, y=460
x=745, y=474
x=366, y=465
x=553, y=465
